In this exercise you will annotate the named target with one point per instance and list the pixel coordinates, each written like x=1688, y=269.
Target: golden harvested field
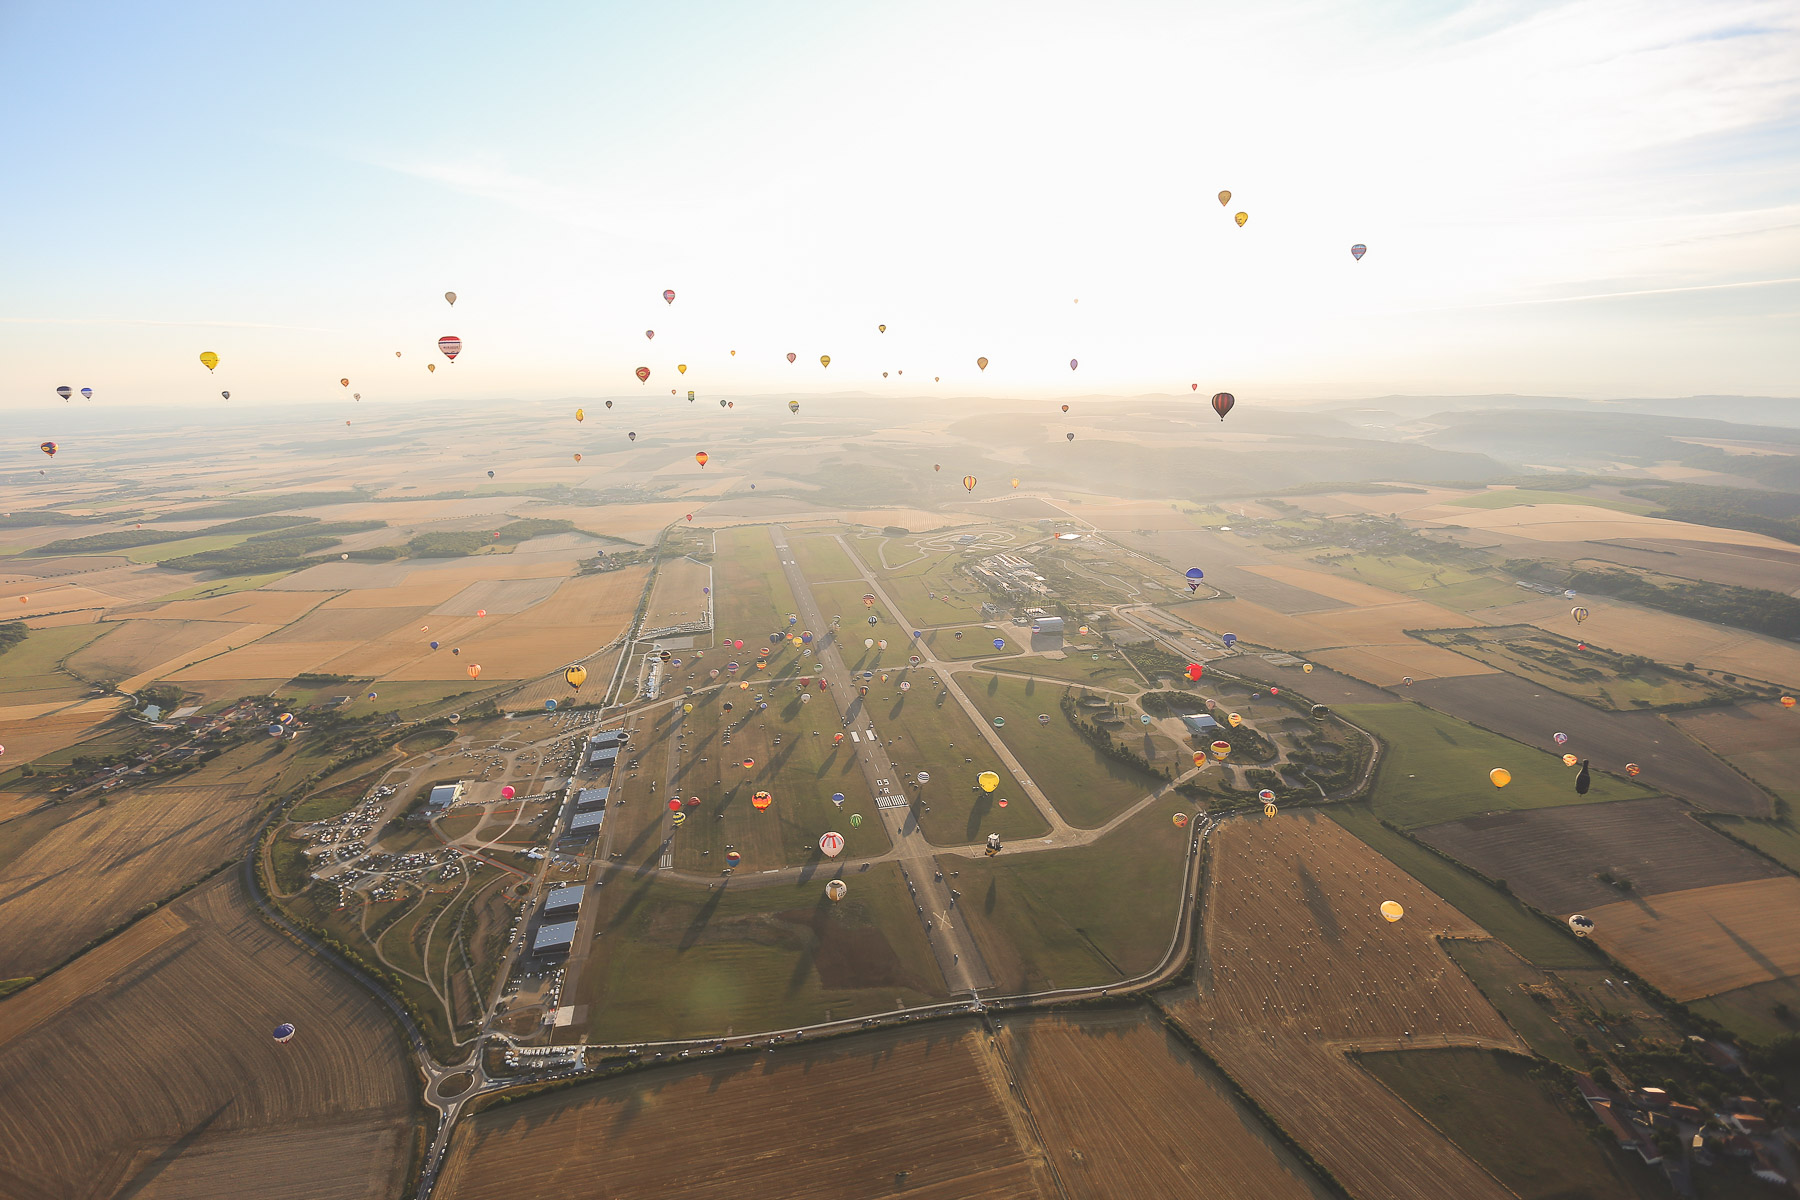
x=934, y=1104
x=1332, y=587
x=427, y=591
x=634, y=522
x=29, y=734
x=1299, y=967
x=1126, y=1110
x=677, y=596
x=582, y=615
x=243, y=608
x=499, y=597
x=131, y=646
x=1126, y=514
x=1706, y=940
x=90, y=868
x=263, y=660
x=1662, y=636
x=158, y=1045
x=347, y=624
x=1389, y=666
x=1588, y=523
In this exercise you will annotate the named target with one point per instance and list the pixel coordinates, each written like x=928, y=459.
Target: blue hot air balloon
x=275, y=731
x=1230, y=640
x=549, y=706
x=999, y=643
x=837, y=798
x=434, y=645
x=284, y=1033
x=87, y=393
x=1194, y=576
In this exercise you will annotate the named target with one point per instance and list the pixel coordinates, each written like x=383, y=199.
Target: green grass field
x=821, y=558
x=913, y=586
x=1500, y=914
x=1087, y=787
x=31, y=672
x=1110, y=671
x=675, y=960
x=1602, y=678
x=1079, y=917
x=1440, y=583
x=223, y=587
x=977, y=641
x=930, y=731
x=751, y=598
x=846, y=600
x=1436, y=769
x=194, y=545
x=1502, y=976
x=1511, y=497
x=1530, y=1137
x=1749, y=1012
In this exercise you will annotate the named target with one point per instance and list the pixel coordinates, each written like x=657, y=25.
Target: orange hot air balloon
x=761, y=800
x=1065, y=408
x=432, y=367
x=474, y=670
x=1224, y=199
x=345, y=382
x=1241, y=218
x=643, y=374
x=1787, y=702
x=982, y=363
x=701, y=458
x=969, y=482
x=578, y=458
x=580, y=414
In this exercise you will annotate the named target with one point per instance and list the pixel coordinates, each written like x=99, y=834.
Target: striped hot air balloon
x=451, y=346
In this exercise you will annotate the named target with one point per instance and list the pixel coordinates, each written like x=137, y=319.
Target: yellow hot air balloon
x=682, y=367
x=209, y=358
x=1235, y=720
x=982, y=363
x=969, y=482
x=1500, y=776
x=1307, y=667
x=1580, y=614
x=824, y=360
x=988, y=781
x=1220, y=750
x=1224, y=199
x=1241, y=218
x=474, y=670
x=1391, y=910
x=793, y=406
x=881, y=328
x=575, y=676
x=432, y=367
x=581, y=414
x=687, y=708
x=1570, y=760
x=1269, y=810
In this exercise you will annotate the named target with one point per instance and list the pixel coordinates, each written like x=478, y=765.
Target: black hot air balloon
x=1582, y=780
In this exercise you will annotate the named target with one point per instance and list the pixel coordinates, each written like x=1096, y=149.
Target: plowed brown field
x=1708, y=940
x=147, y=1070
x=1300, y=967
x=862, y=1111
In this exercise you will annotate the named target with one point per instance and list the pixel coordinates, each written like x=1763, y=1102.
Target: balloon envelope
x=836, y=890
x=1241, y=218
x=988, y=781
x=1500, y=776
x=1224, y=199
x=284, y=1033
x=1581, y=925
x=451, y=346
x=832, y=844
x=1222, y=403
x=1391, y=910
x=1358, y=250
x=209, y=358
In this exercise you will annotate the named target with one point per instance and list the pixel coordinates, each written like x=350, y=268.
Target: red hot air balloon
x=701, y=458
x=451, y=346
x=792, y=356
x=643, y=374
x=669, y=295
x=650, y=333
x=1194, y=672
x=1222, y=403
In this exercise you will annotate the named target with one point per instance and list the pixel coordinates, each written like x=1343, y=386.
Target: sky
x=1589, y=199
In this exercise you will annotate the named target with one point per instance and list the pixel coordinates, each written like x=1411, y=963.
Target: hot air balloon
x=432, y=367
x=1194, y=575
x=345, y=382
x=761, y=800
x=1581, y=925
x=1073, y=364
x=988, y=781
x=1632, y=769
x=969, y=482
x=999, y=643
x=1500, y=777
x=87, y=393
x=1235, y=720
x=581, y=414
x=650, y=334
x=1181, y=820
x=643, y=374
x=209, y=358
x=284, y=1033
x=1194, y=672
x=1787, y=702
x=792, y=356
x=227, y=395
x=631, y=437
x=982, y=363
x=451, y=297
x=1222, y=403
x=1241, y=218
x=1220, y=750
x=669, y=295
x=434, y=645
x=575, y=676
x=1070, y=436
x=1580, y=614
x=49, y=448
x=832, y=844
x=451, y=346
x=993, y=845
x=274, y=731
x=65, y=391
x=474, y=670
x=1582, y=780
x=1391, y=910
x=1224, y=199
x=1358, y=250
x=701, y=458
x=836, y=890
x=507, y=793
x=677, y=818
x=824, y=360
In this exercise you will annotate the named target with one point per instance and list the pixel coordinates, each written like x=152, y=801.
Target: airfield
x=1173, y=976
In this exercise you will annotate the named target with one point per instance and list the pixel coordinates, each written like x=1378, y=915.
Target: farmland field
x=1081, y=917
x=822, y=558
x=1512, y=985
x=679, y=594
x=1111, y=670
x=1127, y=1111
x=1551, y=858
x=1533, y=714
x=204, y=1099
x=1751, y=1012
x=1530, y=1136
x=1565, y=665
x=1761, y=740
x=679, y=960
x=1778, y=839
x=1708, y=940
x=1298, y=966
x=1436, y=769
x=931, y=1103
x=32, y=671
x=750, y=594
